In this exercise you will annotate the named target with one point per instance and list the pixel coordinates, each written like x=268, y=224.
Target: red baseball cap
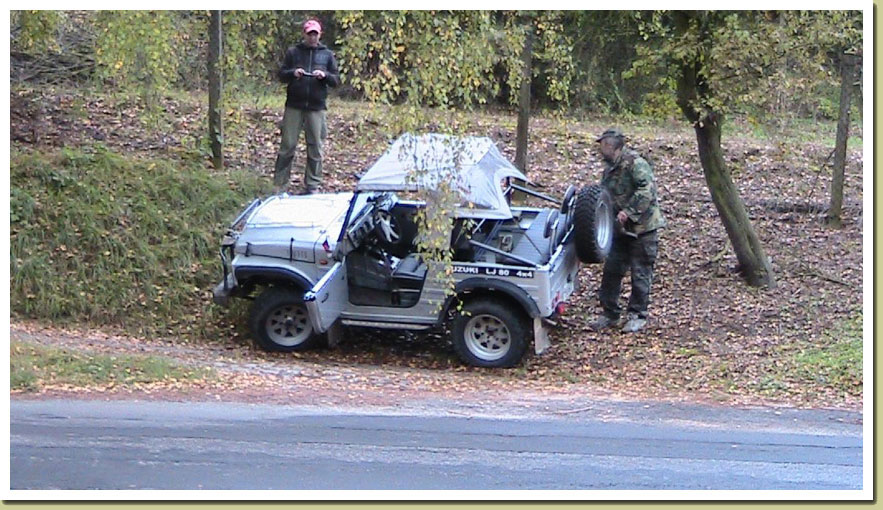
x=312, y=26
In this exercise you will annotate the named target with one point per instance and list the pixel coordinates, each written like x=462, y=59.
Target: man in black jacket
x=309, y=69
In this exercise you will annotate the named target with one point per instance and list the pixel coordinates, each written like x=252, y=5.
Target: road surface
x=64, y=444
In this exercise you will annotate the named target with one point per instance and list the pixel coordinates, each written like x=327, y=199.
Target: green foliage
x=767, y=64
x=436, y=220
x=742, y=61
x=253, y=46
x=603, y=48
x=427, y=57
x=139, y=48
x=512, y=39
x=103, y=238
x=660, y=104
x=452, y=58
x=33, y=367
x=35, y=31
x=556, y=53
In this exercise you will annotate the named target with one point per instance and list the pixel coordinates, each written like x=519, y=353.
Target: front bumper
x=223, y=291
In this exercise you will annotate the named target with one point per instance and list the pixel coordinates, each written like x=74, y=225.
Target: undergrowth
x=105, y=238
x=837, y=363
x=834, y=364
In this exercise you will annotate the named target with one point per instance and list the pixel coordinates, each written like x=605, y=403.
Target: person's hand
x=319, y=74
x=298, y=72
x=622, y=217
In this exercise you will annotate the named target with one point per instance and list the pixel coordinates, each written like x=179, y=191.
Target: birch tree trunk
x=215, y=127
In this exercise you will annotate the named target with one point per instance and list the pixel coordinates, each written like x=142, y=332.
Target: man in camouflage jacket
x=629, y=179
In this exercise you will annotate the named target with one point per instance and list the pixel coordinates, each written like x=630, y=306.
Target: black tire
x=593, y=224
x=567, y=206
x=505, y=345
x=279, y=321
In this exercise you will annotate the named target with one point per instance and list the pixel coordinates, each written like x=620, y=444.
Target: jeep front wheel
x=279, y=321
x=486, y=333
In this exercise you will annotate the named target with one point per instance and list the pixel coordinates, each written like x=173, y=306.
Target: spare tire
x=593, y=224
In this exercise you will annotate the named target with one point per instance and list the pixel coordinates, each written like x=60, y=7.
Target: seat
x=410, y=272
x=534, y=245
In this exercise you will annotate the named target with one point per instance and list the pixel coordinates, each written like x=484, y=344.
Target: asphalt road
x=163, y=445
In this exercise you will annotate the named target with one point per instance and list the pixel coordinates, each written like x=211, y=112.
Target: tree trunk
x=753, y=262
x=215, y=128
x=847, y=75
x=524, y=104
x=693, y=91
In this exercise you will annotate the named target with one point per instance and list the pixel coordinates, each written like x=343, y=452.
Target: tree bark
x=215, y=127
x=753, y=262
x=524, y=104
x=847, y=75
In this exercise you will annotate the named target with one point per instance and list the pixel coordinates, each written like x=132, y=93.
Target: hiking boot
x=634, y=324
x=604, y=322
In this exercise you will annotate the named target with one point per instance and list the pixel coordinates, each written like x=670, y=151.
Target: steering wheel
x=386, y=227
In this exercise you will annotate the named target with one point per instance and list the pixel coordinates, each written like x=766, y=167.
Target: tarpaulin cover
x=473, y=164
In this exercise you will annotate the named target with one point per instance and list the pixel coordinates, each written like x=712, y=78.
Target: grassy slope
x=106, y=238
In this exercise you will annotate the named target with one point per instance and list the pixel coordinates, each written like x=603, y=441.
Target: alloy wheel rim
x=487, y=337
x=604, y=226
x=289, y=325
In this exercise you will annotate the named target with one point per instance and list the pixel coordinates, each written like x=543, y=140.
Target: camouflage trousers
x=635, y=255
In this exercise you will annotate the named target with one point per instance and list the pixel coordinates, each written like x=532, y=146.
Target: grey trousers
x=312, y=123
x=635, y=255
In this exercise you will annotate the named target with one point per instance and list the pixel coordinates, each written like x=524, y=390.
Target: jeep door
x=325, y=301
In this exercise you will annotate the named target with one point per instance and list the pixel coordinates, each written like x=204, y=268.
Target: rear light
x=561, y=308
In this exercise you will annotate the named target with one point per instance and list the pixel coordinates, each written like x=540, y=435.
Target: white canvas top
x=474, y=164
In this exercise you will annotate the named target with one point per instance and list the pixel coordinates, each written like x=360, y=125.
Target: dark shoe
x=307, y=191
x=634, y=324
x=604, y=322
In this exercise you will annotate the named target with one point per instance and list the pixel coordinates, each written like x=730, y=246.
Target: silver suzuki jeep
x=319, y=262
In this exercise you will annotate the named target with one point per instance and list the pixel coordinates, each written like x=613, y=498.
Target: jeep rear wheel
x=488, y=334
x=279, y=321
x=593, y=224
